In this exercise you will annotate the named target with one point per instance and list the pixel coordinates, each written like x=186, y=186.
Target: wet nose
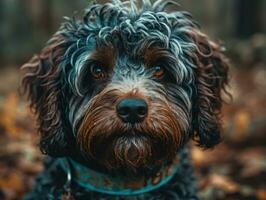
x=132, y=110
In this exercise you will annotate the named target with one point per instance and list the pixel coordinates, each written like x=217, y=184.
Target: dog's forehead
x=131, y=31
x=132, y=27
x=127, y=33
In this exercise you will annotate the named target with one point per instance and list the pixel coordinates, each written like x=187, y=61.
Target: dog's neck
x=99, y=182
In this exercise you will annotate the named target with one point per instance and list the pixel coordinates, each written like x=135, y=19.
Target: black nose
x=132, y=110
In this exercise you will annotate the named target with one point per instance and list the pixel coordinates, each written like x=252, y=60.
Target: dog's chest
x=53, y=184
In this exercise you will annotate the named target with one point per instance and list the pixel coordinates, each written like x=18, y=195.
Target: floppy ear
x=41, y=83
x=211, y=74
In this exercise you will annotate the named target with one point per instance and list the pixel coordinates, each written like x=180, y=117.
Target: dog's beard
x=129, y=149
x=124, y=153
x=134, y=152
x=130, y=153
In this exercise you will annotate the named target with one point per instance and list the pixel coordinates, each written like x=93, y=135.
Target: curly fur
x=128, y=38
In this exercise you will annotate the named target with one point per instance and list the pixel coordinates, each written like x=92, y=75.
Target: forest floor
x=234, y=170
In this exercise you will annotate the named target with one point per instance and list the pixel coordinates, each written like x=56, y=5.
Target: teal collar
x=98, y=182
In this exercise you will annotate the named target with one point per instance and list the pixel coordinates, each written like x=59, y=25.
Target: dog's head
x=129, y=86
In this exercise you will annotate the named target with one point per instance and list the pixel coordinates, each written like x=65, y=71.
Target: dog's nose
x=132, y=110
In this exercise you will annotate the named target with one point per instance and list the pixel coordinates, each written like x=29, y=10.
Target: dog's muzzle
x=130, y=132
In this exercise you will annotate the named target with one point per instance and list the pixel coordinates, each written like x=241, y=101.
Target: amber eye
x=158, y=71
x=98, y=72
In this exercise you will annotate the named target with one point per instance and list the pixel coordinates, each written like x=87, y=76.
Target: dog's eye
x=98, y=72
x=158, y=71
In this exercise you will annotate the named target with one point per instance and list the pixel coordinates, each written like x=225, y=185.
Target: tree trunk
x=248, y=17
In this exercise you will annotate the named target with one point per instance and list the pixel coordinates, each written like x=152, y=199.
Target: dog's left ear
x=211, y=78
x=42, y=85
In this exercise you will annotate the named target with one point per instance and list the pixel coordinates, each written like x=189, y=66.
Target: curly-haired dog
x=117, y=95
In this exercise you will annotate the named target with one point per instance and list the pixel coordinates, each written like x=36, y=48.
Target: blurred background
x=236, y=169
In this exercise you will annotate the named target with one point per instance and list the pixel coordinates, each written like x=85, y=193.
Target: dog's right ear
x=212, y=78
x=41, y=83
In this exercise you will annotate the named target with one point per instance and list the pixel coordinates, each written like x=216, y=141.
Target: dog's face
x=134, y=109
x=128, y=86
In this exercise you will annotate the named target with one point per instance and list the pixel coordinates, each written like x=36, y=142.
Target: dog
x=118, y=95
